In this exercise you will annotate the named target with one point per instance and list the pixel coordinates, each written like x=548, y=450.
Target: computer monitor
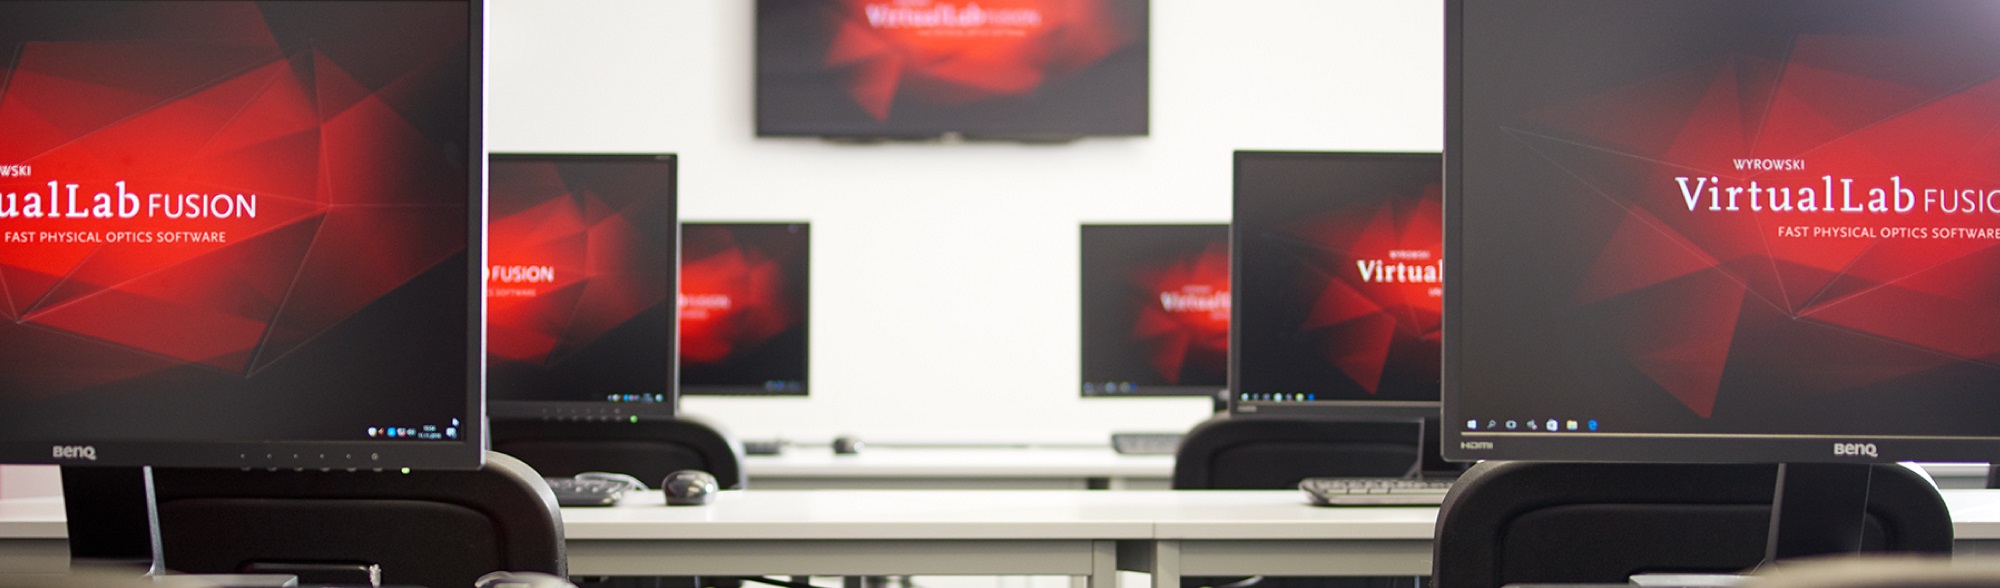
x=1715, y=230
x=582, y=260
x=1337, y=260
x=1038, y=70
x=241, y=234
x=745, y=289
x=1155, y=310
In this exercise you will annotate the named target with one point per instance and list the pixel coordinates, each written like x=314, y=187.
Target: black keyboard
x=1375, y=491
x=588, y=491
x=1146, y=443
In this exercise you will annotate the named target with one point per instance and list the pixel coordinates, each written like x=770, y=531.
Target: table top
x=997, y=462
x=981, y=514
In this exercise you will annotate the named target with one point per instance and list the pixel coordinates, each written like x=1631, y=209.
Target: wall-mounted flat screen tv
x=1036, y=70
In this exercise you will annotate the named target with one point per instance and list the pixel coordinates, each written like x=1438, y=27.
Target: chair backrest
x=647, y=449
x=428, y=528
x=1529, y=522
x=1240, y=453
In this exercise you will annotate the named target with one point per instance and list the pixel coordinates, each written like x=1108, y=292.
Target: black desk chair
x=647, y=449
x=1274, y=453
x=1529, y=522
x=1269, y=453
x=428, y=528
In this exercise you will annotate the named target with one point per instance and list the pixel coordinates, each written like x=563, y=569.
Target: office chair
x=1529, y=522
x=1274, y=453
x=646, y=449
x=1267, y=453
x=428, y=528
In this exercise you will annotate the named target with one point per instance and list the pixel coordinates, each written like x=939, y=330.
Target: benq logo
x=1867, y=449
x=1475, y=445
x=75, y=452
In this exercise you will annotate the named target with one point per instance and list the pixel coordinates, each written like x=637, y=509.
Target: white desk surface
x=977, y=514
x=980, y=514
x=1080, y=533
x=999, y=462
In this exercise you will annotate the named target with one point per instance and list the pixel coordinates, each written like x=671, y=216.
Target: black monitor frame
x=1086, y=351
x=805, y=323
x=598, y=410
x=1241, y=401
x=468, y=452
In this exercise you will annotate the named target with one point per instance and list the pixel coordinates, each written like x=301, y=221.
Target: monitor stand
x=1430, y=459
x=1818, y=509
x=113, y=518
x=114, y=522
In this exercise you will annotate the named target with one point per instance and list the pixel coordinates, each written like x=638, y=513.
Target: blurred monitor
x=1016, y=69
x=579, y=320
x=744, y=301
x=1155, y=309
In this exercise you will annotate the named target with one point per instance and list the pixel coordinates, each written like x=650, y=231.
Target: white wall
x=945, y=276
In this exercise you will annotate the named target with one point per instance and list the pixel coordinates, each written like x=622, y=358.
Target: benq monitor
x=1033, y=70
x=1723, y=230
x=1338, y=293
x=1155, y=313
x=744, y=308
x=581, y=255
x=241, y=234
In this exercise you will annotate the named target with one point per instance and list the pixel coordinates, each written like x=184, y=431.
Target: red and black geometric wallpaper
x=1340, y=285
x=580, y=257
x=1155, y=309
x=199, y=199
x=1739, y=216
x=743, y=308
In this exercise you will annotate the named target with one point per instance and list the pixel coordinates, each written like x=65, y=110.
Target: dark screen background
x=1306, y=323
x=758, y=345
x=1129, y=335
x=1591, y=292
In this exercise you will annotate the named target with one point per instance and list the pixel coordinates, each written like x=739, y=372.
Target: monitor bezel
x=805, y=324
x=1462, y=445
x=600, y=410
x=468, y=452
x=1360, y=410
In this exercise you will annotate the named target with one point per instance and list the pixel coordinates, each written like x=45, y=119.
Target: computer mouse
x=521, y=580
x=846, y=445
x=689, y=487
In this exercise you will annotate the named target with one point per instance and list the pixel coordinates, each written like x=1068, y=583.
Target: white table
x=877, y=468
x=1078, y=533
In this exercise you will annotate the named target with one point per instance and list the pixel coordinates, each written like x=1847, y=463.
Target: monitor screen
x=240, y=234
x=1155, y=310
x=579, y=322
x=1723, y=230
x=1337, y=259
x=1005, y=69
x=743, y=308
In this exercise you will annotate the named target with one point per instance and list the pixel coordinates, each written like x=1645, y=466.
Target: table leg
x=1166, y=564
x=1103, y=564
